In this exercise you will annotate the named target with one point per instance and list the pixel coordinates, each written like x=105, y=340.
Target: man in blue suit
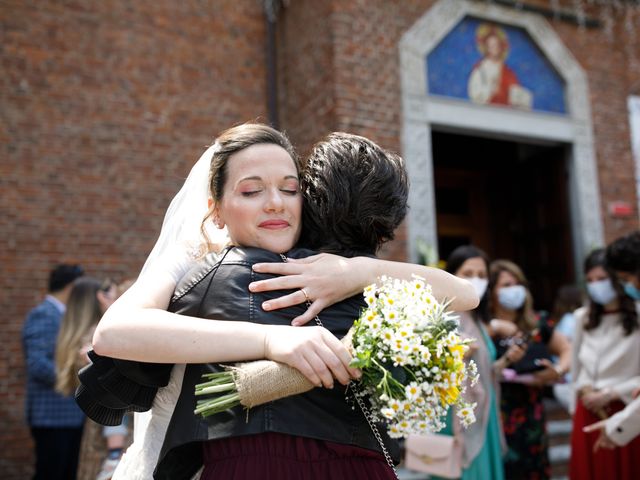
x=55, y=421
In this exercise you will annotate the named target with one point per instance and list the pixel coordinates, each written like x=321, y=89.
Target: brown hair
x=232, y=141
x=525, y=316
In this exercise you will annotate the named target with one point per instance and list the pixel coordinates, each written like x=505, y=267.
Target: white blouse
x=604, y=357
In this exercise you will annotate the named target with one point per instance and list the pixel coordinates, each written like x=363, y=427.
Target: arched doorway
x=535, y=147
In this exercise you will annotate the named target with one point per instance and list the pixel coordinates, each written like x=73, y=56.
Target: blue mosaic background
x=450, y=64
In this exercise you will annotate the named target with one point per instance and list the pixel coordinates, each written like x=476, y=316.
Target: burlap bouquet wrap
x=263, y=381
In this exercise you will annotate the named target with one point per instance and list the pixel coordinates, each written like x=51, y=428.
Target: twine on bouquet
x=263, y=381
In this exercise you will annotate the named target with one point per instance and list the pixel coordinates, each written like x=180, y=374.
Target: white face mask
x=480, y=285
x=513, y=297
x=602, y=291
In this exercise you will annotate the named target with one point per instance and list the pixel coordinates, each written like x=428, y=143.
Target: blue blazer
x=44, y=406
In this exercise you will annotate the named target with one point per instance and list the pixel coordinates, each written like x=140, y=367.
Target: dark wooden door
x=511, y=200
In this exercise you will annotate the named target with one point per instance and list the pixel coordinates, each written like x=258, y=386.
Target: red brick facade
x=105, y=105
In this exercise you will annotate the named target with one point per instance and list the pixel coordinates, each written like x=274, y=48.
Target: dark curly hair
x=355, y=195
x=623, y=254
x=599, y=258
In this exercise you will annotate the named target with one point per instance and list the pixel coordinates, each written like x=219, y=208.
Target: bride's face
x=261, y=204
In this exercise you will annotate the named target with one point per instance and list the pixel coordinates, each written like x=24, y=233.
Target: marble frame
x=421, y=111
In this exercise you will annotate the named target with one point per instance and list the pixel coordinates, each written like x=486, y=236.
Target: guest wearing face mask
x=523, y=418
x=482, y=442
x=623, y=257
x=605, y=371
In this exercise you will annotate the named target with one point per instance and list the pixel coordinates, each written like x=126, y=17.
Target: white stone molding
x=420, y=111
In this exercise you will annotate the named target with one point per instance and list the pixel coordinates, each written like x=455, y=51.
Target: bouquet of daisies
x=408, y=348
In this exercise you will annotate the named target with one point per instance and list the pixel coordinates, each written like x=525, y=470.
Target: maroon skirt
x=286, y=457
x=621, y=463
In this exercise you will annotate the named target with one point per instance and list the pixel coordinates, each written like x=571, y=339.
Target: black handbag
x=536, y=343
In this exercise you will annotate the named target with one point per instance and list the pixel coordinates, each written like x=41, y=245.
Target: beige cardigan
x=605, y=357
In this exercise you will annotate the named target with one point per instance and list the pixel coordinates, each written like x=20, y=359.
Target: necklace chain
x=363, y=408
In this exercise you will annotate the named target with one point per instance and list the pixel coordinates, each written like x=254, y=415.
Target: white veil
x=179, y=244
x=180, y=233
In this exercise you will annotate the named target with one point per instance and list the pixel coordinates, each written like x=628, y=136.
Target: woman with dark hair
x=523, y=417
x=605, y=372
x=482, y=442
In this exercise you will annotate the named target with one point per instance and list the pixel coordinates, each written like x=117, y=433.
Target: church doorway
x=509, y=198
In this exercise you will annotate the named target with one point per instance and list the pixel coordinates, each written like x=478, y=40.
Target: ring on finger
x=304, y=292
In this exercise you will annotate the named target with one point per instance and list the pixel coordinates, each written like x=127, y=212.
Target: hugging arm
x=328, y=278
x=138, y=327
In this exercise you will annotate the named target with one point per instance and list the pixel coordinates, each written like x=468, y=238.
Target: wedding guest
x=483, y=442
x=54, y=419
x=523, y=416
x=255, y=193
x=605, y=371
x=88, y=300
x=623, y=257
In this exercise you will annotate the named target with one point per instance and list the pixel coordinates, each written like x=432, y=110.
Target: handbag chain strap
x=363, y=408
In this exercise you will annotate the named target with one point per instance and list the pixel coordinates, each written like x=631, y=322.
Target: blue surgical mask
x=479, y=284
x=602, y=291
x=513, y=297
x=631, y=290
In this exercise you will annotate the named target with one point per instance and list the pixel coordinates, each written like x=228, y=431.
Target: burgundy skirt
x=620, y=463
x=286, y=457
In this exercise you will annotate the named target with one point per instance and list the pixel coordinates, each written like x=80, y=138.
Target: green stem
x=217, y=405
x=225, y=387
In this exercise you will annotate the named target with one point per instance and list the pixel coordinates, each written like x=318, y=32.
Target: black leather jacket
x=218, y=288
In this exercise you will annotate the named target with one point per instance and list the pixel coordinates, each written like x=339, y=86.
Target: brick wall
x=306, y=73
x=104, y=108
x=338, y=70
x=610, y=55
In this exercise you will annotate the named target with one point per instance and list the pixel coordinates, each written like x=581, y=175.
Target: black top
x=218, y=288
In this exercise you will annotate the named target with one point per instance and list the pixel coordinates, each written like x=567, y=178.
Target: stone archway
x=421, y=111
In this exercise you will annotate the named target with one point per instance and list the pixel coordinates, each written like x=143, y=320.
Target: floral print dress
x=524, y=421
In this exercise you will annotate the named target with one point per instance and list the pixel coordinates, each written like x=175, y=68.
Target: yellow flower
x=457, y=349
x=448, y=395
